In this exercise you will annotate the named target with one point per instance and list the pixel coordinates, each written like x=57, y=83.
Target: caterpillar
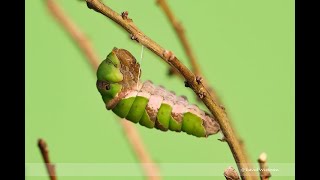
x=145, y=103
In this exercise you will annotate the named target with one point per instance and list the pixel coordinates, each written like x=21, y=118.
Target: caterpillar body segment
x=145, y=103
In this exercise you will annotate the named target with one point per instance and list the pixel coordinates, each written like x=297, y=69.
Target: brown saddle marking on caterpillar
x=130, y=70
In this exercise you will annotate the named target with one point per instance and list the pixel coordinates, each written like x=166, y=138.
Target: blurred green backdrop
x=245, y=48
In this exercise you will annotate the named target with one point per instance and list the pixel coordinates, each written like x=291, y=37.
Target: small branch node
x=223, y=139
x=186, y=84
x=199, y=79
x=133, y=37
x=241, y=142
x=222, y=107
x=171, y=72
x=180, y=27
x=168, y=55
x=89, y=5
x=231, y=174
x=201, y=94
x=124, y=15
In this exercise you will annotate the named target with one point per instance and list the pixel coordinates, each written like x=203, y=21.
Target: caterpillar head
x=119, y=72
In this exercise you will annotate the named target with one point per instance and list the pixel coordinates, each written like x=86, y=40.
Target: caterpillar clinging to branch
x=150, y=105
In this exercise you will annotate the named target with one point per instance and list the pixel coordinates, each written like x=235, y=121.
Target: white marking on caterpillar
x=194, y=109
x=155, y=102
x=179, y=108
x=169, y=98
x=146, y=90
x=134, y=92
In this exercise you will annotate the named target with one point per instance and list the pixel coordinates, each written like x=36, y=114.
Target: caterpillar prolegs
x=147, y=104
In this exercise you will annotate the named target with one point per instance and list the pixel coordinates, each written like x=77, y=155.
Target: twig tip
x=42, y=143
x=264, y=173
x=263, y=157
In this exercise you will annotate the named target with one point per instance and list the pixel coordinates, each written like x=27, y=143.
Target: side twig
x=45, y=155
x=85, y=46
x=180, y=31
x=264, y=172
x=191, y=80
x=231, y=174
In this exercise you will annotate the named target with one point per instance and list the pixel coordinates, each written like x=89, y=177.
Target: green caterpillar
x=144, y=103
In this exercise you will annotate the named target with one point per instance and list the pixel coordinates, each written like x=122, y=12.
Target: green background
x=245, y=48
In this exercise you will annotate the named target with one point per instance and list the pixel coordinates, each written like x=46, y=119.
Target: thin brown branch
x=45, y=155
x=181, y=34
x=180, y=31
x=198, y=88
x=85, y=46
x=264, y=172
x=231, y=174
